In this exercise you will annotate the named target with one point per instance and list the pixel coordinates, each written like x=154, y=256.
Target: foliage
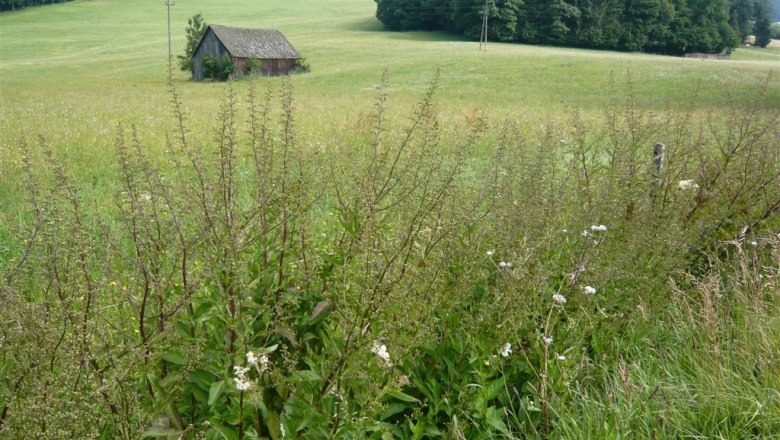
x=12, y=5
x=196, y=29
x=660, y=26
x=775, y=30
x=221, y=69
x=302, y=66
x=439, y=283
x=254, y=66
x=762, y=28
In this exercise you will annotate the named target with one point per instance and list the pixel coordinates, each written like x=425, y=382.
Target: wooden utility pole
x=168, y=4
x=484, y=35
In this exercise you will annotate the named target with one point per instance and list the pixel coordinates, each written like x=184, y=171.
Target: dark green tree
x=763, y=28
x=196, y=28
x=741, y=18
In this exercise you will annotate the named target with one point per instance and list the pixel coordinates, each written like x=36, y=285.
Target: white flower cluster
x=594, y=228
x=560, y=299
x=240, y=379
x=589, y=290
x=261, y=364
x=547, y=341
x=380, y=350
x=506, y=350
x=505, y=264
x=685, y=185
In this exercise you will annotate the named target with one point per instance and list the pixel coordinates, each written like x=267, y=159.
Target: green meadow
x=416, y=239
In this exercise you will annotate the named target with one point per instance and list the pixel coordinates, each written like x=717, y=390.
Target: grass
x=677, y=342
x=72, y=71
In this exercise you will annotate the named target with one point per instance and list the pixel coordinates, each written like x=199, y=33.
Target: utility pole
x=168, y=4
x=483, y=37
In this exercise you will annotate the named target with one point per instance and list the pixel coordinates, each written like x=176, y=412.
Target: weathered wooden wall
x=209, y=46
x=268, y=67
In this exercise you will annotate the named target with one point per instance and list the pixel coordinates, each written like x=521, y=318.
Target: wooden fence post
x=659, y=150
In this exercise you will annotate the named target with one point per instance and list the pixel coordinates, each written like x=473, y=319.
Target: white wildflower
x=753, y=243
x=506, y=350
x=598, y=228
x=241, y=384
x=685, y=185
x=502, y=264
x=282, y=430
x=505, y=264
x=263, y=365
x=589, y=290
x=559, y=298
x=260, y=363
x=564, y=230
x=490, y=253
x=585, y=233
x=380, y=350
x=561, y=358
x=240, y=372
x=548, y=341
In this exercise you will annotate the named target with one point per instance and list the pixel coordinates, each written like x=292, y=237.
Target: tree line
x=12, y=5
x=671, y=27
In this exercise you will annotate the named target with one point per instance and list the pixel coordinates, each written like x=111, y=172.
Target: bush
x=220, y=70
x=302, y=66
x=254, y=66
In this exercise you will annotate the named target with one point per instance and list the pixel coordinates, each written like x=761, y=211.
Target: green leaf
x=157, y=431
x=216, y=390
x=494, y=419
x=224, y=432
x=273, y=425
x=267, y=350
x=393, y=409
x=321, y=310
x=202, y=378
x=308, y=376
x=177, y=357
x=403, y=396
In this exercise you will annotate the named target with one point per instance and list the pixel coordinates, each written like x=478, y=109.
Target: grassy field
x=75, y=70
x=111, y=56
x=498, y=261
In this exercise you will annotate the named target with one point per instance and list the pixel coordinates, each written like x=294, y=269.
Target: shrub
x=302, y=66
x=220, y=70
x=254, y=66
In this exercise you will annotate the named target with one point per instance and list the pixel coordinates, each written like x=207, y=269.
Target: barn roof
x=255, y=43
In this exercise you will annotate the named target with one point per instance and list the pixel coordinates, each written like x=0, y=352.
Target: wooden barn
x=274, y=54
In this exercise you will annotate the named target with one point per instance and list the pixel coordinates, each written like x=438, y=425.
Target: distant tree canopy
x=10, y=5
x=671, y=27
